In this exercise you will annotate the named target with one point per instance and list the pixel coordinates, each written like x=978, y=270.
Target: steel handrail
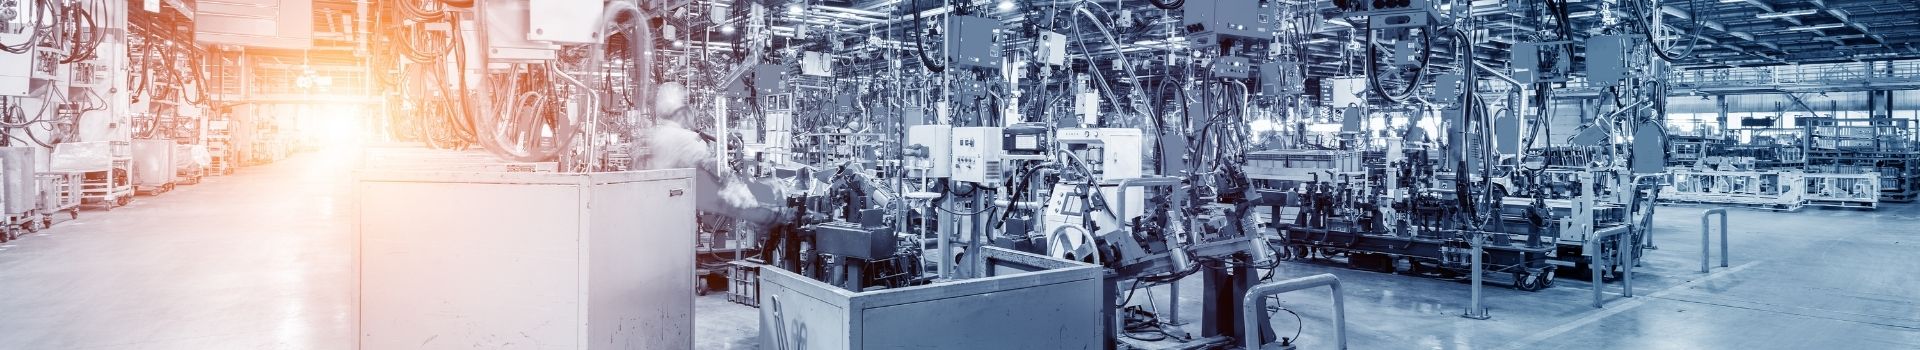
x=1252, y=305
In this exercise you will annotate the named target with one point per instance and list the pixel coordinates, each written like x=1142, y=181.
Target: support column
x=1720, y=107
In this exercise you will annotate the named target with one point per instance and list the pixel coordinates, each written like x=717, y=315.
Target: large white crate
x=522, y=260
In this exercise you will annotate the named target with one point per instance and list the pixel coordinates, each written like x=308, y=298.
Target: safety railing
x=1254, y=305
x=1797, y=74
x=1705, y=233
x=1623, y=252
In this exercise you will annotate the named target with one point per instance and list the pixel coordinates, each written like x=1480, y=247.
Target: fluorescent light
x=1817, y=27
x=1785, y=14
x=1583, y=14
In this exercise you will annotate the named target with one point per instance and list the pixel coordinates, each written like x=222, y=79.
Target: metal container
x=153, y=162
x=525, y=260
x=16, y=175
x=1026, y=302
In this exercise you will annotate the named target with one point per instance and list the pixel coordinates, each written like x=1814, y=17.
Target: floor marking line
x=1784, y=312
x=1630, y=304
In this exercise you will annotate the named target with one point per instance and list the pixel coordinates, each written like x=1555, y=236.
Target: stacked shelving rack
x=1869, y=145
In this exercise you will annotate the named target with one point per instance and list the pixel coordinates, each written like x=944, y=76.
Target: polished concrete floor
x=258, y=260
x=263, y=260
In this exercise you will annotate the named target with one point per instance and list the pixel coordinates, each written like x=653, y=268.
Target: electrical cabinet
x=1221, y=22
x=16, y=70
x=1388, y=14
x=937, y=162
x=1281, y=78
x=976, y=155
x=1110, y=153
x=586, y=260
x=972, y=42
x=1543, y=62
x=1243, y=19
x=1607, y=59
x=563, y=21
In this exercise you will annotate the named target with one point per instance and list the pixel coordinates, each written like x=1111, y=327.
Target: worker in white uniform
x=672, y=145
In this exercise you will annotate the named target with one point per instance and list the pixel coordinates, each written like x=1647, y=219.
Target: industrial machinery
x=855, y=151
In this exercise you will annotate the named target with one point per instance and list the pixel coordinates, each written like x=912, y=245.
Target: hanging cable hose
x=1693, y=11
x=918, y=41
x=418, y=12
x=80, y=47
x=140, y=70
x=1175, y=4
x=513, y=135
x=199, y=81
x=43, y=15
x=1373, y=74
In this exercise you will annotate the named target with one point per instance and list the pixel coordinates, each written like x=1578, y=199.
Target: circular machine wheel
x=123, y=201
x=1546, y=278
x=1525, y=281
x=1300, y=252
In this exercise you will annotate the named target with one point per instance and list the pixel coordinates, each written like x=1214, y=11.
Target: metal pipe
x=1626, y=266
x=1252, y=305
x=1596, y=261
x=592, y=122
x=1496, y=73
x=1474, y=310
x=1705, y=246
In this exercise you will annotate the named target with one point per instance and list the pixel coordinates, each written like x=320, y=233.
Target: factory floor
x=1814, y=279
x=263, y=260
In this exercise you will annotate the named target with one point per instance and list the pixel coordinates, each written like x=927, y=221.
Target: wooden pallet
x=1852, y=204
x=1782, y=208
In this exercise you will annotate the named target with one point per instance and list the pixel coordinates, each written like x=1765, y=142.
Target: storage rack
x=1870, y=145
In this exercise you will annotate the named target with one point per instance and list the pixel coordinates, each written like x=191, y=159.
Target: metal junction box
x=937, y=139
x=976, y=155
x=1025, y=301
x=1607, y=59
x=973, y=43
x=481, y=259
x=1214, y=20
x=852, y=240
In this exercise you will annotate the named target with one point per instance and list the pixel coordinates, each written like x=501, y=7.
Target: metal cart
x=59, y=192
x=104, y=168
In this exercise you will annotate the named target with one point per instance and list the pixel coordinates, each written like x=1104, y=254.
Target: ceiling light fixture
x=1817, y=27
x=1795, y=13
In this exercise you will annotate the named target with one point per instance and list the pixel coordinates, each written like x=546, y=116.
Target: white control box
x=976, y=155
x=1053, y=49
x=938, y=140
x=1111, y=153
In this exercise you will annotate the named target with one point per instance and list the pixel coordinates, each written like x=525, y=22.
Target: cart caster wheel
x=73, y=214
x=1525, y=282
x=1546, y=279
